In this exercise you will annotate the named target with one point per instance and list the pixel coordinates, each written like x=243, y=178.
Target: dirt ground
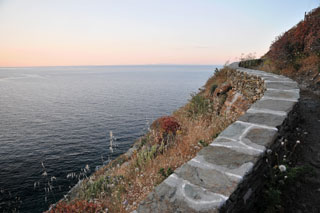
x=305, y=194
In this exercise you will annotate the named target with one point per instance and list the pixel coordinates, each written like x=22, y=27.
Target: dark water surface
x=62, y=116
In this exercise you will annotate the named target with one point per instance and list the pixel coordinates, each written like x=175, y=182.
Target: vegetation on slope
x=296, y=53
x=171, y=141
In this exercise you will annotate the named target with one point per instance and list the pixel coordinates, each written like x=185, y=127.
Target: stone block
x=261, y=136
x=275, y=105
x=282, y=85
x=282, y=94
x=248, y=148
x=212, y=180
x=234, y=131
x=226, y=157
x=263, y=119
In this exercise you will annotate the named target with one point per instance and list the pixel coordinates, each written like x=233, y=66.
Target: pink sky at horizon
x=123, y=32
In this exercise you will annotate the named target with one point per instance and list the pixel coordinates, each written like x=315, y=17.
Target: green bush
x=198, y=105
x=213, y=88
x=165, y=173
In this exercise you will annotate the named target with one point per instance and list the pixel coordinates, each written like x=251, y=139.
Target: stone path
x=225, y=175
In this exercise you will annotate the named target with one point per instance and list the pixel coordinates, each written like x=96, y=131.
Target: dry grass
x=296, y=53
x=125, y=182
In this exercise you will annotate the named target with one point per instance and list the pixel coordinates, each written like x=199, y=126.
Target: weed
x=146, y=155
x=282, y=175
x=213, y=88
x=203, y=143
x=165, y=173
x=198, y=105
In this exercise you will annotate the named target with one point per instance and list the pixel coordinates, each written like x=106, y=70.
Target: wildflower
x=44, y=173
x=111, y=142
x=285, y=177
x=282, y=168
x=269, y=151
x=298, y=142
x=284, y=156
x=87, y=167
x=282, y=143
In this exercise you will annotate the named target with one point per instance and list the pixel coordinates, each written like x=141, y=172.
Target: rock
x=222, y=89
x=235, y=103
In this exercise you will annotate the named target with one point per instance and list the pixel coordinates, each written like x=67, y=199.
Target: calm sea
x=62, y=116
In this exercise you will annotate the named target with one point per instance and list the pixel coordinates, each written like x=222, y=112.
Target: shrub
x=250, y=63
x=77, y=206
x=213, y=88
x=167, y=127
x=165, y=173
x=203, y=143
x=146, y=155
x=198, y=105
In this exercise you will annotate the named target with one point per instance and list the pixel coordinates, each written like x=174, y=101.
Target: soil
x=305, y=194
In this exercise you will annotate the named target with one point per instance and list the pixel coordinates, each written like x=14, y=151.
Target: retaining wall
x=226, y=175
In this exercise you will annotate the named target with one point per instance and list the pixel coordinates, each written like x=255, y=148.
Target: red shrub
x=166, y=126
x=299, y=42
x=169, y=125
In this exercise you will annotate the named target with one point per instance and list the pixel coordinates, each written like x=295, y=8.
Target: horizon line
x=111, y=65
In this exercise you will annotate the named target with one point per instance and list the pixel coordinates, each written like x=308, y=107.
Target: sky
x=127, y=32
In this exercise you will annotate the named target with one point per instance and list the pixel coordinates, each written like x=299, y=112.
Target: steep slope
x=296, y=53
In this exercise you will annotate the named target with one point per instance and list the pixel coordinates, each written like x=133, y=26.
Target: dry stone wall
x=226, y=175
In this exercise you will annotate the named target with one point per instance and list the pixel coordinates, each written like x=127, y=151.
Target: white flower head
x=269, y=151
x=298, y=142
x=282, y=143
x=282, y=168
x=87, y=167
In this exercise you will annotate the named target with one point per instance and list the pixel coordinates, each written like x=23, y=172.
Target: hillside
x=170, y=142
x=296, y=53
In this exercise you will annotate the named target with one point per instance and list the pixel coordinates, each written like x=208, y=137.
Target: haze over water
x=62, y=116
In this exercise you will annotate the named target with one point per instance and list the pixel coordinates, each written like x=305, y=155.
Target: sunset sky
x=127, y=32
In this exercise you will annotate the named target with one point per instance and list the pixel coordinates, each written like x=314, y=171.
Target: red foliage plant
x=169, y=125
x=166, y=125
x=299, y=42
